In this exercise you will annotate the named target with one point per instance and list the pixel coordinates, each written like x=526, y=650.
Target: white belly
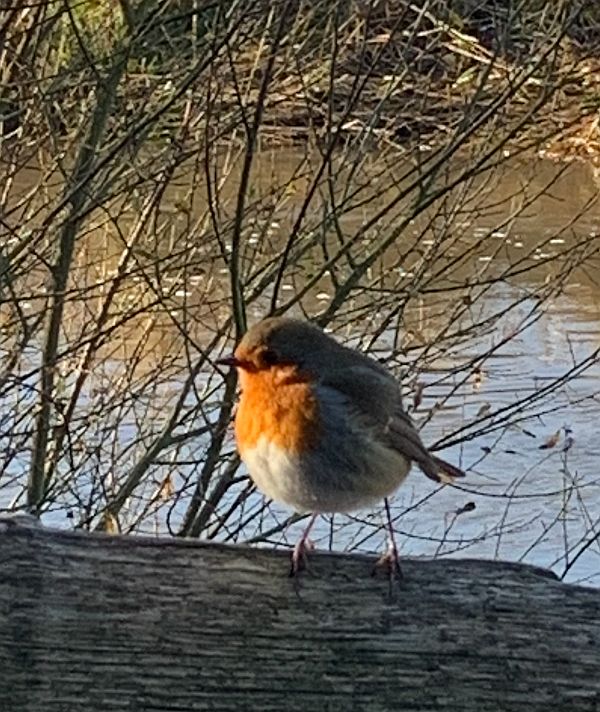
x=308, y=486
x=273, y=470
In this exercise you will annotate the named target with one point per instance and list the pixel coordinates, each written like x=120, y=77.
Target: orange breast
x=279, y=405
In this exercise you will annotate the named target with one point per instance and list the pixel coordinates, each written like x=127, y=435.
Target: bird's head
x=282, y=344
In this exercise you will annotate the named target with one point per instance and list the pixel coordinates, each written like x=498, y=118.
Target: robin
x=321, y=427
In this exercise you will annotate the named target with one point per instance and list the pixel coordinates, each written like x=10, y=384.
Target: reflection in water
x=530, y=502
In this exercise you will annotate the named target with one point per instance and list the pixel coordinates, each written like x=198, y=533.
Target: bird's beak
x=229, y=361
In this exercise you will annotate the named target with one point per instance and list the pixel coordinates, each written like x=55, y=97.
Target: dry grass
x=140, y=232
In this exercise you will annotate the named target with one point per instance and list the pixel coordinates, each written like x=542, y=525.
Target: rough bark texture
x=99, y=623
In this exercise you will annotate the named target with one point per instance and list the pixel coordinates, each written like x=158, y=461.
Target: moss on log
x=99, y=623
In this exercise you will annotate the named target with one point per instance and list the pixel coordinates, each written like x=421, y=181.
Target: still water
x=533, y=487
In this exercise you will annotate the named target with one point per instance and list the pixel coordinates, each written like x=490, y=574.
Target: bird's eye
x=269, y=357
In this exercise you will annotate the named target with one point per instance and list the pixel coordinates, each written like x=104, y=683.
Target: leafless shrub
x=146, y=217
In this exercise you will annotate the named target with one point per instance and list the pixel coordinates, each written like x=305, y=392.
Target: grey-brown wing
x=376, y=397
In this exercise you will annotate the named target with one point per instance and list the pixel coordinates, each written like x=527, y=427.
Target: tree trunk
x=100, y=623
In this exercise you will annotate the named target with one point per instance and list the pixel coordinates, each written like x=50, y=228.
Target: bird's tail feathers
x=441, y=471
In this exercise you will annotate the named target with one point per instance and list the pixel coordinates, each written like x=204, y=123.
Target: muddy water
x=521, y=500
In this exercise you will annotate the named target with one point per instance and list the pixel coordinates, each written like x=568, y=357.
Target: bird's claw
x=390, y=563
x=300, y=556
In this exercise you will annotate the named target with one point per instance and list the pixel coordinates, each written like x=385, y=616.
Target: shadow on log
x=99, y=623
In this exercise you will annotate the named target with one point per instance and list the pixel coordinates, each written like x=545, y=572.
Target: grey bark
x=98, y=623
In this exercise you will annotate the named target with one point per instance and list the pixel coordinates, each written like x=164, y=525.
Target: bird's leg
x=302, y=548
x=391, y=559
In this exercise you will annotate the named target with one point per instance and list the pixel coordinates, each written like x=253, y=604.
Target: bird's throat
x=280, y=405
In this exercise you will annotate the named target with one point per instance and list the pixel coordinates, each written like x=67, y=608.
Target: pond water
x=533, y=487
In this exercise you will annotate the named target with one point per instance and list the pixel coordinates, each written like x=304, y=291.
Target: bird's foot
x=389, y=563
x=300, y=555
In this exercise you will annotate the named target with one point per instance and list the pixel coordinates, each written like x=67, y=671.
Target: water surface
x=520, y=501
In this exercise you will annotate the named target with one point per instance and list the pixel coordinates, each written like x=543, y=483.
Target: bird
x=321, y=427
